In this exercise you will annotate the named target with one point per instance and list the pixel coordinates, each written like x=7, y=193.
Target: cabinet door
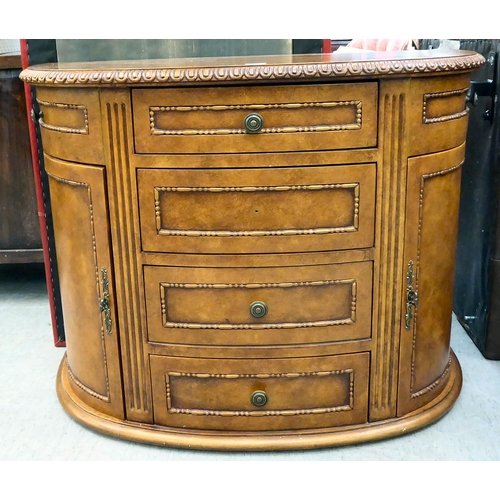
x=78, y=199
x=433, y=193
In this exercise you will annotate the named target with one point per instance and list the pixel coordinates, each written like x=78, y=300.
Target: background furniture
x=19, y=226
x=477, y=280
x=264, y=264
x=35, y=52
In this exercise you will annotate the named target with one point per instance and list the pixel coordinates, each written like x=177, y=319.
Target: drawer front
x=295, y=118
x=257, y=211
x=227, y=394
x=214, y=306
x=70, y=124
x=438, y=113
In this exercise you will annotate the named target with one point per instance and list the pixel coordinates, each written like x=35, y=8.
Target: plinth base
x=259, y=441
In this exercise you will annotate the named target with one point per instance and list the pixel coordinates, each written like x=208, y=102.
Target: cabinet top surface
x=254, y=69
x=10, y=60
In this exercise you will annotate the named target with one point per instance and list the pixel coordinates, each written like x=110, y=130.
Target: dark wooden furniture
x=257, y=253
x=476, y=301
x=477, y=279
x=19, y=225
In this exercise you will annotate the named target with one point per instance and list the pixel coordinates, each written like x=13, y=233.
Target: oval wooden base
x=268, y=441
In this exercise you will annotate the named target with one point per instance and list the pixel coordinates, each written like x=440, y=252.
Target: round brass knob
x=259, y=398
x=253, y=123
x=258, y=309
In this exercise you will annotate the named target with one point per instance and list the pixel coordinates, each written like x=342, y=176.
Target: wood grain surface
x=338, y=218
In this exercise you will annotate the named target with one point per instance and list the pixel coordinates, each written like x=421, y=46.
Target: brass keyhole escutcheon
x=259, y=398
x=253, y=123
x=104, y=303
x=411, y=296
x=258, y=309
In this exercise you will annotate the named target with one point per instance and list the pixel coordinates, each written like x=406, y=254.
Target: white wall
x=9, y=45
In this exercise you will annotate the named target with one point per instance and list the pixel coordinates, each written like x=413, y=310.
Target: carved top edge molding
x=234, y=72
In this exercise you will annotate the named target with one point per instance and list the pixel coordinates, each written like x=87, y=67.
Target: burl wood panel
x=211, y=120
x=437, y=114
x=70, y=124
x=81, y=231
x=433, y=195
x=302, y=393
x=274, y=210
x=305, y=304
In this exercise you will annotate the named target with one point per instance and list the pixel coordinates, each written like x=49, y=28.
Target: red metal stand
x=35, y=152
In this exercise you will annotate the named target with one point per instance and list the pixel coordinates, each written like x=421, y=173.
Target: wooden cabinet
x=257, y=256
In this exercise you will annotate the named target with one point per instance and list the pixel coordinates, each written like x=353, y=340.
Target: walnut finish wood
x=388, y=286
x=302, y=393
x=433, y=195
x=272, y=210
x=438, y=114
x=258, y=441
x=249, y=70
x=305, y=305
x=71, y=124
x=247, y=160
x=317, y=226
x=302, y=118
x=81, y=230
x=125, y=232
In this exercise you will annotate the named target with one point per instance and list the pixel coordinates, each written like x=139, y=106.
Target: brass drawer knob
x=258, y=309
x=253, y=123
x=259, y=398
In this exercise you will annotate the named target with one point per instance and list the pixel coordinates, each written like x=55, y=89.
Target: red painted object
x=39, y=196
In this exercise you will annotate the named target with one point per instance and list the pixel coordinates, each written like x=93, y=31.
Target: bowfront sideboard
x=257, y=253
